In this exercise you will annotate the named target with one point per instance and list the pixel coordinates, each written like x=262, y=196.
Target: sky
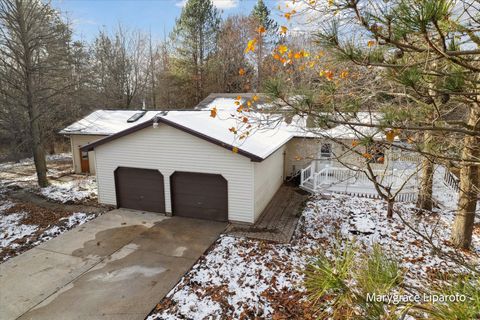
x=157, y=16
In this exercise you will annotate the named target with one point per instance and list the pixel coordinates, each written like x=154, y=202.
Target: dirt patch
x=50, y=222
x=37, y=215
x=28, y=196
x=50, y=218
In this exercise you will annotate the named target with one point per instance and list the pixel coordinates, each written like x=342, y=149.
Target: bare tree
x=232, y=71
x=34, y=67
x=122, y=67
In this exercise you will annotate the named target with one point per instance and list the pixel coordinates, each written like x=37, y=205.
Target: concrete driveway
x=117, y=266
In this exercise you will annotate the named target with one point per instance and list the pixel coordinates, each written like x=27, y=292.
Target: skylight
x=136, y=116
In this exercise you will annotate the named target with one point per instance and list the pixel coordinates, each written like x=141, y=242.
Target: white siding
x=301, y=152
x=76, y=141
x=268, y=178
x=168, y=150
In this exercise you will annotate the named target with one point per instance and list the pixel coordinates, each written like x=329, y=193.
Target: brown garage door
x=199, y=195
x=140, y=189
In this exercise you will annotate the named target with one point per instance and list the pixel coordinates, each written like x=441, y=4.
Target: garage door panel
x=140, y=189
x=200, y=195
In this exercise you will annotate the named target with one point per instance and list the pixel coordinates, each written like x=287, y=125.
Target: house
x=187, y=163
x=183, y=162
x=97, y=125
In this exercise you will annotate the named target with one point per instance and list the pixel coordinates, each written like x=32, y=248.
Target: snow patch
x=239, y=277
x=12, y=229
x=72, y=191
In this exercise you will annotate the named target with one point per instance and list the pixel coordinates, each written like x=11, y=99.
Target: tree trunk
x=33, y=114
x=39, y=155
x=424, y=200
x=259, y=64
x=36, y=135
x=35, y=131
x=469, y=186
x=390, y=203
x=201, y=65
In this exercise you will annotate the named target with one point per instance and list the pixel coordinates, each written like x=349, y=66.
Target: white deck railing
x=451, y=180
x=306, y=174
x=345, y=180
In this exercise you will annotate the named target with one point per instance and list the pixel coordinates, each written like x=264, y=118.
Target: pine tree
x=425, y=47
x=261, y=13
x=261, y=18
x=195, y=36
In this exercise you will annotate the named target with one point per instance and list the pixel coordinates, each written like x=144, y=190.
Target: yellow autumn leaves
x=240, y=107
x=241, y=129
x=251, y=45
x=390, y=135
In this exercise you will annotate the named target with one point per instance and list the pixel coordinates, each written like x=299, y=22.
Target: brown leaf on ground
x=39, y=216
x=289, y=304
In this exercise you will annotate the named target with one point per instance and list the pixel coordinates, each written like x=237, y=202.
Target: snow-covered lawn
x=11, y=227
x=23, y=226
x=28, y=222
x=75, y=191
x=64, y=187
x=240, y=278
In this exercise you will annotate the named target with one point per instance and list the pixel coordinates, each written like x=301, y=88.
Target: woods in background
x=48, y=79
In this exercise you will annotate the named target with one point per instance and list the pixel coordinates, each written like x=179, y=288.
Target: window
x=326, y=150
x=84, y=155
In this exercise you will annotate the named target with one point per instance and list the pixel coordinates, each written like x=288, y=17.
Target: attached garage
x=140, y=189
x=199, y=195
x=203, y=171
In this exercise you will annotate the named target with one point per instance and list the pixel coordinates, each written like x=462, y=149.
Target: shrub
x=456, y=309
x=338, y=284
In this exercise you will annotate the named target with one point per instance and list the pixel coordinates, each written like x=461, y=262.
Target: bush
x=338, y=284
x=459, y=287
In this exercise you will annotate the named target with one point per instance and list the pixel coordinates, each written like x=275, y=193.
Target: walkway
x=117, y=266
x=279, y=219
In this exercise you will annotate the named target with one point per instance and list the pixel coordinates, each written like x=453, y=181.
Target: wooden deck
x=279, y=219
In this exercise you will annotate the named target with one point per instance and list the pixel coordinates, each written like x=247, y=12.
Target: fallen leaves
x=252, y=279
